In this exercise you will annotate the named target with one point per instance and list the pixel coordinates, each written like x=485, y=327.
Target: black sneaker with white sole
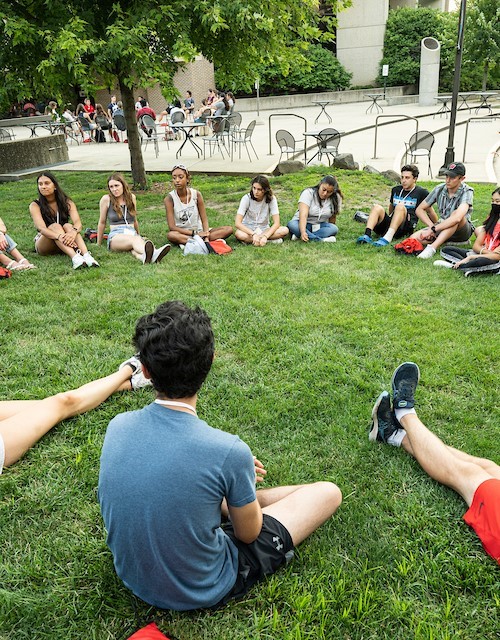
x=384, y=424
x=404, y=383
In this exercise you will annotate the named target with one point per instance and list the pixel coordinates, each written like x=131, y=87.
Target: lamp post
x=450, y=149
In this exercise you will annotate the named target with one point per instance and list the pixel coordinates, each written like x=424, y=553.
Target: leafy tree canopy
x=50, y=45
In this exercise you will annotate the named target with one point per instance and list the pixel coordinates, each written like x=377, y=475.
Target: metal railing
x=485, y=118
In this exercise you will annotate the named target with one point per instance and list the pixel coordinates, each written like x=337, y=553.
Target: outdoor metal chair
x=216, y=140
x=6, y=135
x=177, y=118
x=286, y=142
x=328, y=143
x=235, y=120
x=243, y=137
x=149, y=133
x=420, y=144
x=119, y=125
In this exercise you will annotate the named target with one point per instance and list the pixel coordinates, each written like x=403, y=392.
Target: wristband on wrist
x=433, y=228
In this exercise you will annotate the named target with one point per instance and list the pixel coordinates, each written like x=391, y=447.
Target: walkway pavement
x=481, y=159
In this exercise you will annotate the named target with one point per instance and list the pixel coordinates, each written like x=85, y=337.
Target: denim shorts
x=10, y=244
x=124, y=229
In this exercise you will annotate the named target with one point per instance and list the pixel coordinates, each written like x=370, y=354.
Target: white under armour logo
x=279, y=546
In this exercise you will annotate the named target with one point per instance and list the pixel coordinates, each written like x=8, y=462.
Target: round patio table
x=187, y=128
x=323, y=104
x=374, y=97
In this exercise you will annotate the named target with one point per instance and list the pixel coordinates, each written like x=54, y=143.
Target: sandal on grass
x=27, y=264
x=16, y=266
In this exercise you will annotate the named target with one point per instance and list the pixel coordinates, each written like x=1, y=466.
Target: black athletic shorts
x=260, y=558
x=403, y=231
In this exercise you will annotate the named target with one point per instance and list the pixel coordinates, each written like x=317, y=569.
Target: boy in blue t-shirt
x=168, y=479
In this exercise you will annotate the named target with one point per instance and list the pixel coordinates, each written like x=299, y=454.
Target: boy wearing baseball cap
x=454, y=202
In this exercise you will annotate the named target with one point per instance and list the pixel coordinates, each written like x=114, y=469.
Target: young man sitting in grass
x=454, y=202
x=168, y=479
x=477, y=480
x=402, y=219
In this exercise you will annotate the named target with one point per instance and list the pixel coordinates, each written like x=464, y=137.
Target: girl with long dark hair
x=58, y=223
x=317, y=212
x=253, y=219
x=485, y=254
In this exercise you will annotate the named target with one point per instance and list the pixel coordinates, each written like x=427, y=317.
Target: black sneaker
x=361, y=216
x=384, y=423
x=404, y=383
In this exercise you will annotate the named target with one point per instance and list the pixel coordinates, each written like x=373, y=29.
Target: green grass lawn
x=307, y=337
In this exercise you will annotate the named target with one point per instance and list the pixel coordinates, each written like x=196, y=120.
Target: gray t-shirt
x=447, y=204
x=163, y=476
x=319, y=210
x=257, y=214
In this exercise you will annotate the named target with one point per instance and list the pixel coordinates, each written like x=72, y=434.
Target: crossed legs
x=301, y=509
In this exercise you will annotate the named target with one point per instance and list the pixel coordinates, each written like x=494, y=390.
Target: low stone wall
x=296, y=100
x=18, y=155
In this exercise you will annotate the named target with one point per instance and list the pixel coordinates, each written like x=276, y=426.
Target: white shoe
x=138, y=379
x=182, y=247
x=90, y=261
x=330, y=239
x=277, y=241
x=294, y=237
x=442, y=263
x=148, y=252
x=428, y=252
x=78, y=261
x=160, y=253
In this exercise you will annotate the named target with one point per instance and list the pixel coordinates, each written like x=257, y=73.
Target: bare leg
x=301, y=509
x=281, y=232
x=243, y=236
x=439, y=461
x=397, y=219
x=376, y=216
x=10, y=408
x=47, y=247
x=22, y=430
x=134, y=244
x=176, y=237
x=220, y=233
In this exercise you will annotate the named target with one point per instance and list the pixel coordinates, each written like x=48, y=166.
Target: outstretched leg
x=459, y=472
x=28, y=421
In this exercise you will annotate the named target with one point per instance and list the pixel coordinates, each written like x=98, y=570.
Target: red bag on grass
x=149, y=632
x=5, y=273
x=220, y=247
x=410, y=246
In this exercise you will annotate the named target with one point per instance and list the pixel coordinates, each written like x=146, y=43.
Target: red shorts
x=484, y=516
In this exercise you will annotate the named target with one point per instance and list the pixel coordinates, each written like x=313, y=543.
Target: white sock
x=389, y=235
x=396, y=438
x=401, y=413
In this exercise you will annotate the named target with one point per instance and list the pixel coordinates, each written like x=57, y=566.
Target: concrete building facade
x=360, y=34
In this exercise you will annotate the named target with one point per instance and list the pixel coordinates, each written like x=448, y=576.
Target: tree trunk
x=486, y=68
x=134, y=143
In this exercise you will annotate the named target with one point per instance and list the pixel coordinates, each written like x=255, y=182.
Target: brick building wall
x=197, y=76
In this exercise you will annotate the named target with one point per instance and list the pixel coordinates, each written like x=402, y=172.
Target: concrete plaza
x=358, y=129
